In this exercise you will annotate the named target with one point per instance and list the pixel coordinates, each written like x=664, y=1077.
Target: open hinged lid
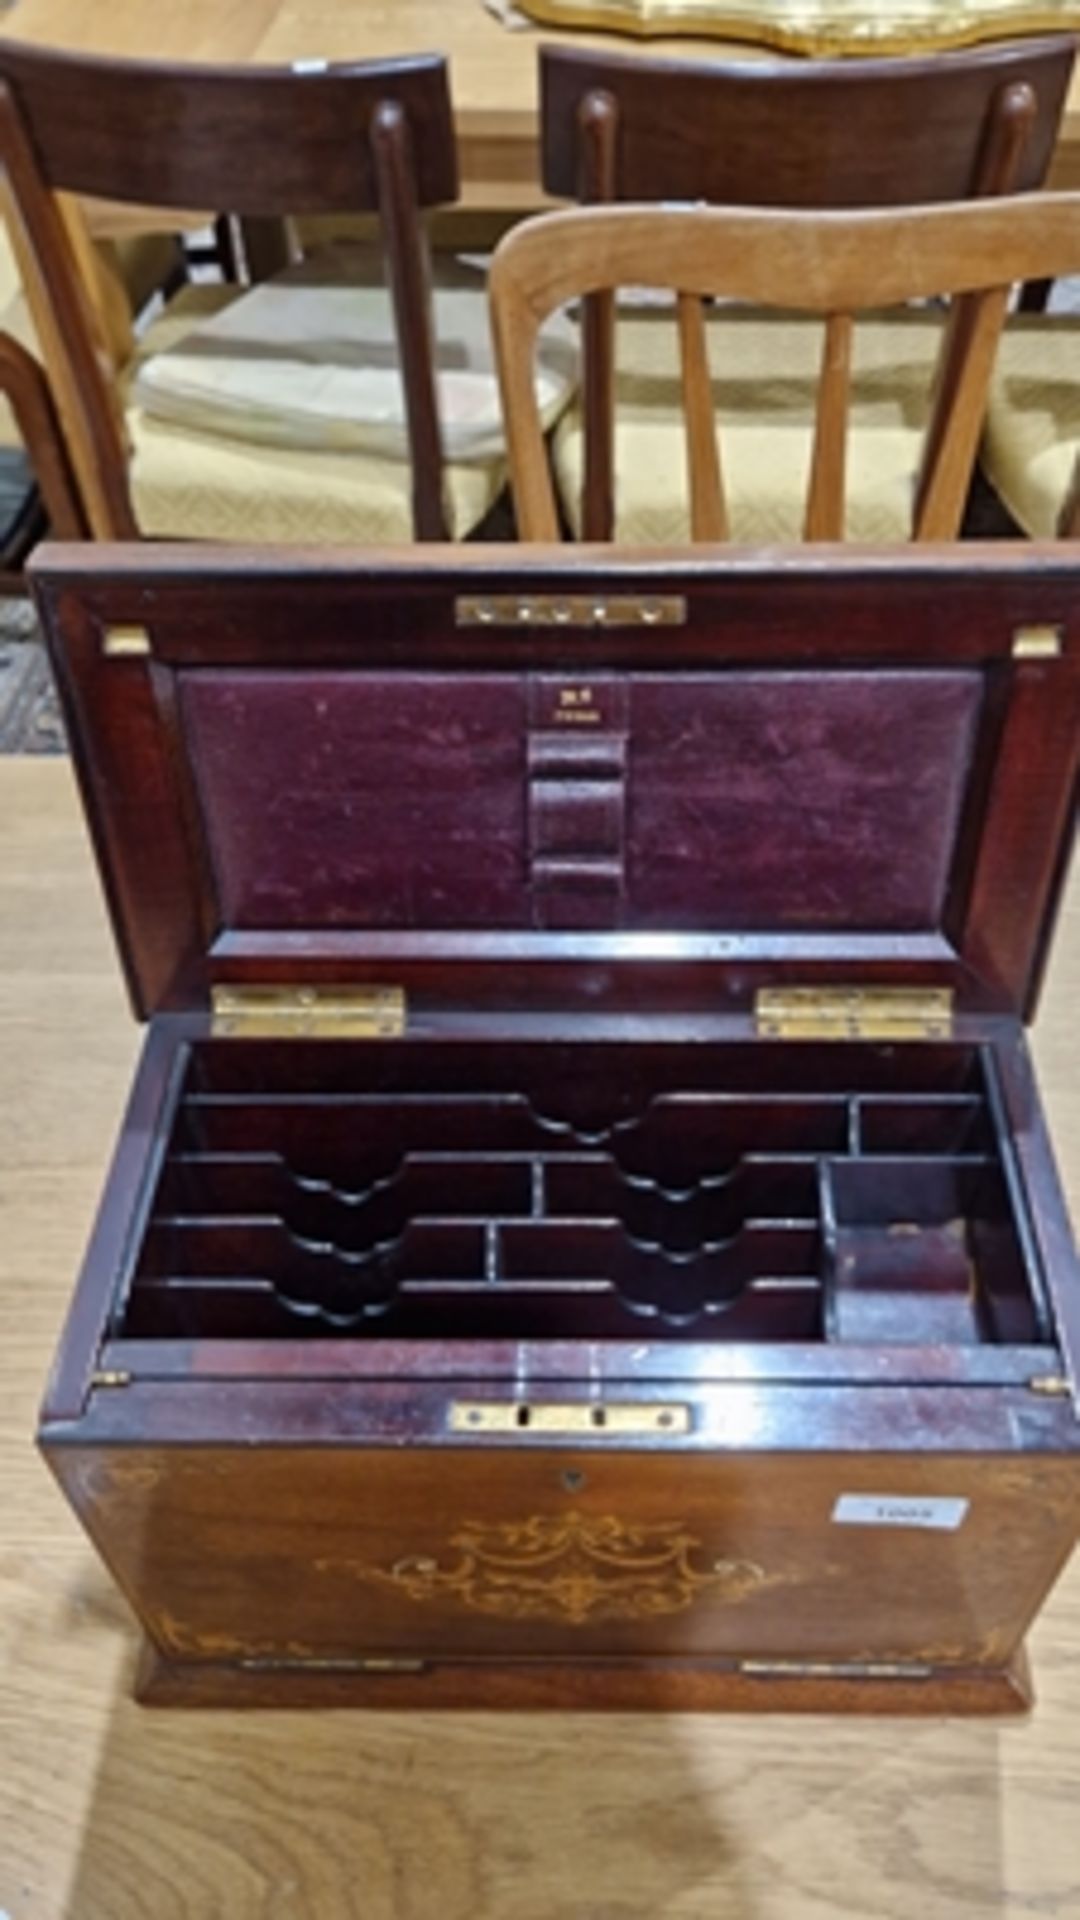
x=528, y=778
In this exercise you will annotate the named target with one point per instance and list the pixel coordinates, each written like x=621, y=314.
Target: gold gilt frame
x=817, y=27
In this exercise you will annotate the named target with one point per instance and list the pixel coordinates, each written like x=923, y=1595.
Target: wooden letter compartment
x=583, y=1233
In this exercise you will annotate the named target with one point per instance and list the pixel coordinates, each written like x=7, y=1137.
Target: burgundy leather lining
x=743, y=799
x=342, y=800
x=792, y=800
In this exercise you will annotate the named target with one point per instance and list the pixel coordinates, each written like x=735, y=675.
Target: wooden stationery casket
x=583, y=1233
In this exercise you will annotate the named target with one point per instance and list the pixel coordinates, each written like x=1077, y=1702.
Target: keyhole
x=573, y=1480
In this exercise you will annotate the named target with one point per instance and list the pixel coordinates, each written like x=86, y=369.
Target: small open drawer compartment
x=446, y=1190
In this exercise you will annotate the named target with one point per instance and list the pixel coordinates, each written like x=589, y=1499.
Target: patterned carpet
x=29, y=714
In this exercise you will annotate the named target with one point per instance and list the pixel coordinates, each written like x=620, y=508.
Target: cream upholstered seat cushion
x=1032, y=436
x=204, y=487
x=279, y=414
x=765, y=372
x=140, y=263
x=310, y=358
x=212, y=486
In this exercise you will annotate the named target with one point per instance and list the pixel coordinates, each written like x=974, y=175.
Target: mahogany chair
x=376, y=137
x=831, y=264
x=851, y=133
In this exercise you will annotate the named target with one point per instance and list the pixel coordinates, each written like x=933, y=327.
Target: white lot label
x=899, y=1510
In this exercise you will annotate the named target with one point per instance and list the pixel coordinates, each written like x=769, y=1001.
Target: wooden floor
x=110, y=1813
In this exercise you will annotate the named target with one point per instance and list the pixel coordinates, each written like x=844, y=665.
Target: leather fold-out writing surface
x=817, y=27
x=379, y=790
x=759, y=800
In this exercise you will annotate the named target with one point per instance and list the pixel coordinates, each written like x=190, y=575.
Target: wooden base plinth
x=583, y=1686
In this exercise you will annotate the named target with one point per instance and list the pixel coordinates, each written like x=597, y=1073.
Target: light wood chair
x=25, y=389
x=376, y=137
x=38, y=490
x=846, y=133
x=831, y=264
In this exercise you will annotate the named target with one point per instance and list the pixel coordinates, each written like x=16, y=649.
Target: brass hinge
x=110, y=1377
x=307, y=1013
x=854, y=1013
x=1055, y=1385
x=838, y=1669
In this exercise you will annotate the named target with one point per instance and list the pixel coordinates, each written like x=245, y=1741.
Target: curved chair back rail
x=791, y=133
x=834, y=264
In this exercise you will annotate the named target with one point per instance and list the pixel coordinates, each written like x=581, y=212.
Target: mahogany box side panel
x=296, y=1559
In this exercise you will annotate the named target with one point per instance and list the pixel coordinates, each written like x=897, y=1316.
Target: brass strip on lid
x=570, y=610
